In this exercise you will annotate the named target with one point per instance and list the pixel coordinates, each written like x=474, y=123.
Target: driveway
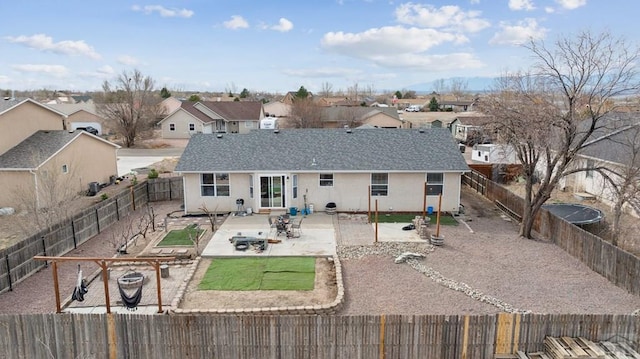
x=130, y=159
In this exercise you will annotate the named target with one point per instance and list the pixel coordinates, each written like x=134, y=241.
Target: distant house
x=379, y=117
x=36, y=144
x=290, y=97
x=20, y=120
x=457, y=106
x=210, y=117
x=277, y=109
x=275, y=170
x=472, y=129
x=614, y=145
x=494, y=153
x=54, y=160
x=82, y=115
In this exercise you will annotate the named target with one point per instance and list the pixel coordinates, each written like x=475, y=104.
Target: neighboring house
x=275, y=170
x=211, y=117
x=82, y=115
x=169, y=105
x=277, y=109
x=24, y=118
x=290, y=97
x=615, y=145
x=380, y=117
x=471, y=129
x=494, y=153
x=49, y=163
x=457, y=106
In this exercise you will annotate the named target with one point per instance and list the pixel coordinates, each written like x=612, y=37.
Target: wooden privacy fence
x=165, y=188
x=16, y=262
x=617, y=265
x=393, y=336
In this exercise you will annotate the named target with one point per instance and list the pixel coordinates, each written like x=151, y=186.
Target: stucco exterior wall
x=349, y=192
x=88, y=159
x=17, y=187
x=383, y=121
x=23, y=121
x=181, y=120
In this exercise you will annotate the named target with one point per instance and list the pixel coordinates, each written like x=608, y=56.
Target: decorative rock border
x=322, y=309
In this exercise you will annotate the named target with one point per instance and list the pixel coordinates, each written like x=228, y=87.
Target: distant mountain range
x=474, y=85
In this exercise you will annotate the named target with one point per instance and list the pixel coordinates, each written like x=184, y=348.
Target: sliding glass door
x=272, y=192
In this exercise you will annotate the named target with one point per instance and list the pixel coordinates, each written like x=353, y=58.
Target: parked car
x=413, y=108
x=91, y=130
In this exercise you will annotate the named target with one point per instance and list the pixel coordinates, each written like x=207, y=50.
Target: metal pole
x=438, y=216
x=424, y=201
x=376, y=221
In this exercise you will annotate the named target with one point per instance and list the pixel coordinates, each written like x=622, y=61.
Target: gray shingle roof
x=615, y=138
x=37, y=148
x=315, y=150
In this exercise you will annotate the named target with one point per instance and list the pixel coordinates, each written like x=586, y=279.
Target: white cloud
x=163, y=11
x=387, y=40
x=45, y=43
x=521, y=5
x=398, y=46
x=55, y=70
x=446, y=17
x=322, y=72
x=106, y=70
x=4, y=79
x=284, y=25
x=519, y=33
x=128, y=60
x=549, y=10
x=475, y=1
x=236, y=22
x=571, y=4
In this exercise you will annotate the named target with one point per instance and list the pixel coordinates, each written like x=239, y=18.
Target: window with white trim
x=250, y=186
x=379, y=184
x=435, y=182
x=172, y=127
x=192, y=127
x=214, y=185
x=294, y=185
x=590, y=165
x=326, y=180
x=65, y=169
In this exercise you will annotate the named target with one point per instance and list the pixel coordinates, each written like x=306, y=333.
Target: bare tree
x=549, y=114
x=130, y=105
x=305, y=114
x=48, y=199
x=354, y=92
x=439, y=86
x=130, y=228
x=458, y=87
x=210, y=215
x=326, y=89
x=231, y=89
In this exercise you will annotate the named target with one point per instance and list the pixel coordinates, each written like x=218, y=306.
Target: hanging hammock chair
x=131, y=281
x=81, y=287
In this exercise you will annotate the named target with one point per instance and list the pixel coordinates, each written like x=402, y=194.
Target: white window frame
x=326, y=182
x=294, y=186
x=65, y=169
x=434, y=183
x=379, y=189
x=192, y=127
x=250, y=186
x=172, y=127
x=217, y=181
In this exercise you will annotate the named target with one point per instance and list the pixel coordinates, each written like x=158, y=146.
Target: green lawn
x=255, y=273
x=445, y=219
x=180, y=237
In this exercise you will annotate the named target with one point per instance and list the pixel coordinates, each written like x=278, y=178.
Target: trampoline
x=577, y=214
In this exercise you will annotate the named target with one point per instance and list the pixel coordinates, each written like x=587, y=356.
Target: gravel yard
x=485, y=271
x=490, y=270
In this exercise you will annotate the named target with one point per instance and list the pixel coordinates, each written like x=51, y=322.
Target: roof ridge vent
x=219, y=135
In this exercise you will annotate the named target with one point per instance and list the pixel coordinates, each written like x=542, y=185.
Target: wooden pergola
x=103, y=263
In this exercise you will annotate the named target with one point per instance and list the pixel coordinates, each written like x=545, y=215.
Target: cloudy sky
x=278, y=45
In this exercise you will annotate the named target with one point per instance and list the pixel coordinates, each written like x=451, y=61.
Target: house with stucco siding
x=276, y=169
x=211, y=117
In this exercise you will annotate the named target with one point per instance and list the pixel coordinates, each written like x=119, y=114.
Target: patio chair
x=296, y=227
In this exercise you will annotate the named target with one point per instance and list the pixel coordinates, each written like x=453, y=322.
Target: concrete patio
x=319, y=235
